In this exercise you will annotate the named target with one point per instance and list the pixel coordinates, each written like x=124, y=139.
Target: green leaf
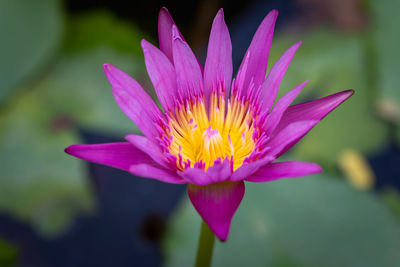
x=77, y=88
x=99, y=29
x=313, y=221
x=31, y=31
x=36, y=173
x=8, y=254
x=333, y=62
x=386, y=39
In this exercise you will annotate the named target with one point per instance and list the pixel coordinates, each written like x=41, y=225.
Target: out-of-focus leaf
x=333, y=62
x=101, y=28
x=392, y=199
x=78, y=89
x=8, y=254
x=36, y=175
x=315, y=221
x=40, y=183
x=386, y=21
x=30, y=31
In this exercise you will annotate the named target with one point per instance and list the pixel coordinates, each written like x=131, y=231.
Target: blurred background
x=56, y=210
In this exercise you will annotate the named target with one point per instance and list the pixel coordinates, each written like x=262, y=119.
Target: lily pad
x=101, y=28
x=386, y=39
x=31, y=31
x=313, y=221
x=77, y=88
x=334, y=62
x=36, y=175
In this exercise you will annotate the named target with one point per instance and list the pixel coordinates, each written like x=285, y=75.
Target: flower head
x=214, y=132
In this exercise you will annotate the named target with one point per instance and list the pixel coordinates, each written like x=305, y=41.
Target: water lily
x=213, y=132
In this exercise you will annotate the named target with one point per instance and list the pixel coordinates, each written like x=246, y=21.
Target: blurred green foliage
x=101, y=28
x=31, y=32
x=314, y=221
x=385, y=31
x=39, y=183
x=333, y=62
x=8, y=254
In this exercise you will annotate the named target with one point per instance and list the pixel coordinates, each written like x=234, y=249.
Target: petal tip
x=107, y=67
x=164, y=10
x=69, y=149
x=220, y=12
x=144, y=43
x=273, y=15
x=350, y=92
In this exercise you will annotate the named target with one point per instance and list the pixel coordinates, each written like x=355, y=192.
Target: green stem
x=205, y=248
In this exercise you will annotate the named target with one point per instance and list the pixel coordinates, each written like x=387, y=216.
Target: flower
x=214, y=133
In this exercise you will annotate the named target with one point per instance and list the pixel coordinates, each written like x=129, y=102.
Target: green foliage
x=313, y=221
x=333, y=62
x=386, y=39
x=99, y=29
x=39, y=183
x=36, y=174
x=8, y=254
x=31, y=31
x=77, y=88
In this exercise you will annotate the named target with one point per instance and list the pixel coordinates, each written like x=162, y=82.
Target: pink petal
x=188, y=72
x=218, y=66
x=216, y=204
x=117, y=155
x=283, y=103
x=286, y=169
x=246, y=170
x=270, y=87
x=133, y=101
x=150, y=171
x=219, y=172
x=162, y=74
x=165, y=23
x=313, y=110
x=257, y=53
x=287, y=136
x=195, y=176
x=148, y=147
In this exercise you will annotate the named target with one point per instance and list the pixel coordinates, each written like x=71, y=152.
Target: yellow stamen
x=221, y=134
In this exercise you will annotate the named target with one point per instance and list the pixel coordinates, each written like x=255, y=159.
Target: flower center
x=198, y=139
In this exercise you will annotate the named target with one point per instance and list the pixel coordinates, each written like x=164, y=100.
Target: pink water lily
x=214, y=132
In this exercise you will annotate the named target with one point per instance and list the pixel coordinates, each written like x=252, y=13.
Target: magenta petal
x=188, y=72
x=133, y=101
x=216, y=204
x=165, y=23
x=218, y=66
x=270, y=87
x=313, y=110
x=246, y=170
x=257, y=53
x=283, y=103
x=286, y=169
x=195, y=176
x=286, y=137
x=150, y=171
x=117, y=155
x=148, y=147
x=162, y=74
x=220, y=171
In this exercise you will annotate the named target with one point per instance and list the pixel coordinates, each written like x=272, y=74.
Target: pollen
x=198, y=138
